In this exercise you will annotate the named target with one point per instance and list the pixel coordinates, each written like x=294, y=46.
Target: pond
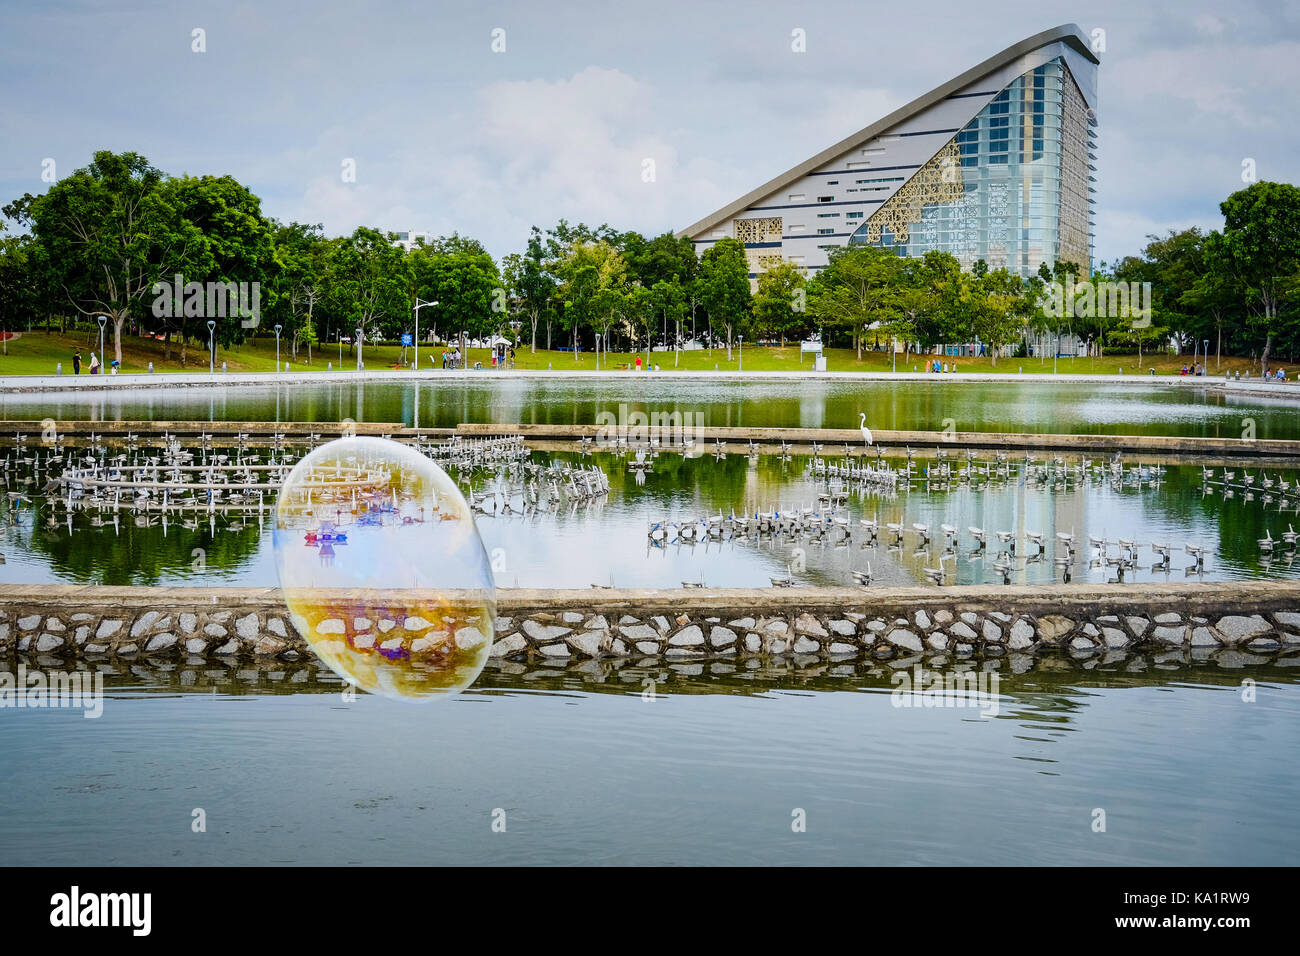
x=606, y=540
x=681, y=764
x=928, y=405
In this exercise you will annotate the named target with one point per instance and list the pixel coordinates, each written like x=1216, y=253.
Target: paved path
x=65, y=383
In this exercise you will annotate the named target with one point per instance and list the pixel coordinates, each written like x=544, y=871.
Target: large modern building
x=996, y=164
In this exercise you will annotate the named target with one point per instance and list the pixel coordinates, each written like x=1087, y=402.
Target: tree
x=637, y=308
x=664, y=258
x=302, y=258
x=669, y=299
x=592, y=280
x=238, y=245
x=780, y=301
x=530, y=284
x=724, y=286
x=1214, y=294
x=19, y=277
x=367, y=282
x=1260, y=247
x=110, y=233
x=462, y=278
x=997, y=304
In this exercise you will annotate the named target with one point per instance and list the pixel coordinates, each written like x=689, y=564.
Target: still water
x=712, y=770
x=1032, y=406
x=606, y=541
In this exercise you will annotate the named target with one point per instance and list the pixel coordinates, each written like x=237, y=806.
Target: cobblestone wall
x=1256, y=617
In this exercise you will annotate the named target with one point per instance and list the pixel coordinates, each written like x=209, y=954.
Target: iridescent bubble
x=382, y=569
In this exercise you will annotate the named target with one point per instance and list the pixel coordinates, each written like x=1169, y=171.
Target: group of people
x=1196, y=369
x=501, y=354
x=451, y=359
x=937, y=366
x=93, y=367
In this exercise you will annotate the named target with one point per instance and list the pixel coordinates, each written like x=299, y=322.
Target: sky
x=452, y=126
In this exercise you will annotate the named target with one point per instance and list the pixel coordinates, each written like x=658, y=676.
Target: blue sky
x=447, y=134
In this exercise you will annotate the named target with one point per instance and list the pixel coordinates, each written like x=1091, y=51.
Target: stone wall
x=882, y=623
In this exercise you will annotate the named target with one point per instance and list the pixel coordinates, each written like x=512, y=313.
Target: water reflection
x=1059, y=407
x=607, y=539
x=588, y=769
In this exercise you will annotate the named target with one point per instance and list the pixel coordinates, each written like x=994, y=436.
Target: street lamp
x=358, y=350
x=418, y=306
x=102, y=320
x=1205, y=353
x=597, y=351
x=742, y=353
x=277, y=347
x=212, y=347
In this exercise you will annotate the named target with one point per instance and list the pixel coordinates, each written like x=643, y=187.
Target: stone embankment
x=564, y=625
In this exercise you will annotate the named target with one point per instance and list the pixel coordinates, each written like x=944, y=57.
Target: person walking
x=76, y=362
x=94, y=364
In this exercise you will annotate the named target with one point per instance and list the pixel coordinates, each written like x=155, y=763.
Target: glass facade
x=1023, y=165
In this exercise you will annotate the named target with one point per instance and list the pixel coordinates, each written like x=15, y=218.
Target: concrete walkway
x=16, y=384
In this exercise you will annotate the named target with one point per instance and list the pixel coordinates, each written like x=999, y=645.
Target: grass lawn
x=38, y=353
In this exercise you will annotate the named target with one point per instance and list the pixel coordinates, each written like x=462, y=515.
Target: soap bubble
x=382, y=569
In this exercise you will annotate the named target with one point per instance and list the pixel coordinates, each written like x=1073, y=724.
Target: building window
x=797, y=197
x=853, y=215
x=825, y=232
x=832, y=182
x=828, y=215
x=825, y=198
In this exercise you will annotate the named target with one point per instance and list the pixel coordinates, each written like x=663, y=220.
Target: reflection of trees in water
x=1052, y=693
x=130, y=554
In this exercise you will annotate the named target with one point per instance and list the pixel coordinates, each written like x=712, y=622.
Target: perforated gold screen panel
x=758, y=230
x=938, y=181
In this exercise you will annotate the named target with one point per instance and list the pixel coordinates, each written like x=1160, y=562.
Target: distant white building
x=996, y=164
x=407, y=239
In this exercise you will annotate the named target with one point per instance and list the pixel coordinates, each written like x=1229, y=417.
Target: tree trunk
x=118, y=319
x=1268, y=346
x=533, y=348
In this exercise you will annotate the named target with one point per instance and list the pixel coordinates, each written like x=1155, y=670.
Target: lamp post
x=1205, y=354
x=741, y=365
x=277, y=347
x=597, y=351
x=102, y=320
x=358, y=350
x=340, y=350
x=212, y=347
x=418, y=306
